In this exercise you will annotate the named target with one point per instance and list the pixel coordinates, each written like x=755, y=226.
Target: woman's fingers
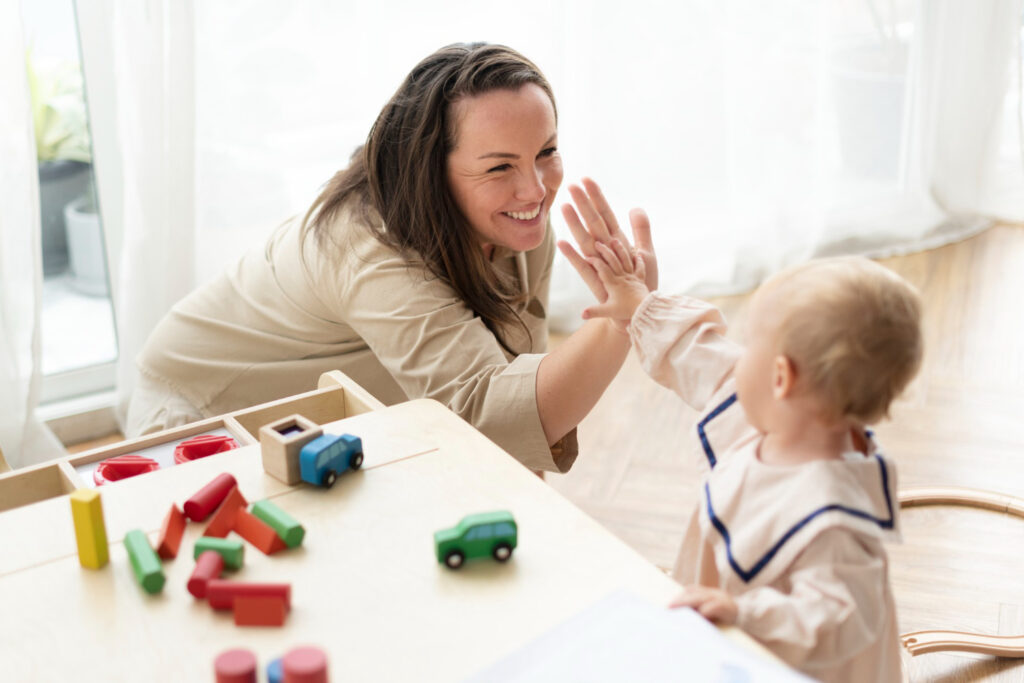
x=602, y=207
x=579, y=233
x=596, y=226
x=641, y=226
x=586, y=271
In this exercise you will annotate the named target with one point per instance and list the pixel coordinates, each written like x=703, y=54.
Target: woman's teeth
x=524, y=215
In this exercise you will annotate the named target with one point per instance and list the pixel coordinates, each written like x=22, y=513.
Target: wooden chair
x=4, y=467
x=923, y=642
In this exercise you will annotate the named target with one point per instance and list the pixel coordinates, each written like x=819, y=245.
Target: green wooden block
x=149, y=571
x=290, y=531
x=230, y=549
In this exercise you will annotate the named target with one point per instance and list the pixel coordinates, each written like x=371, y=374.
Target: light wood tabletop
x=366, y=586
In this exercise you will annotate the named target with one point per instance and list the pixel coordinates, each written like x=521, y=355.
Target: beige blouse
x=284, y=314
x=799, y=547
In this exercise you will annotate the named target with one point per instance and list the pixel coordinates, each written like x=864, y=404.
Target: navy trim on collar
x=748, y=574
x=700, y=429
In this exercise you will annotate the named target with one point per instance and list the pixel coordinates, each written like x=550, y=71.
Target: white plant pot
x=85, y=248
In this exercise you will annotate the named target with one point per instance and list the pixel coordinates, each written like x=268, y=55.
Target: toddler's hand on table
x=714, y=604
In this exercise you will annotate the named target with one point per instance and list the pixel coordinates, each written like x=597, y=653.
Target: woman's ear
x=783, y=377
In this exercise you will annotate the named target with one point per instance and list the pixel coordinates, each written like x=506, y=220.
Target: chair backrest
x=4, y=467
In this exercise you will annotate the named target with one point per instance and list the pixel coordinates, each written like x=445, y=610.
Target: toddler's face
x=754, y=371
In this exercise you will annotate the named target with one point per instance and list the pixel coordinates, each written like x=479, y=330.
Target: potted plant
x=63, y=149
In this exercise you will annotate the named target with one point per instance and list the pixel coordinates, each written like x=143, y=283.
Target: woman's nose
x=530, y=186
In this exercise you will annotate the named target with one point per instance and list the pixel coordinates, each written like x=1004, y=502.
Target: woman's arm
x=572, y=378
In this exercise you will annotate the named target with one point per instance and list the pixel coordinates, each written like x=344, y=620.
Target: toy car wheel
x=330, y=476
x=502, y=552
x=454, y=559
x=357, y=461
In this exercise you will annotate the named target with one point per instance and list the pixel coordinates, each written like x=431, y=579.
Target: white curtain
x=23, y=439
x=755, y=133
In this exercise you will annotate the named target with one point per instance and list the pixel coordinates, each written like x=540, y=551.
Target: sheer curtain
x=755, y=134
x=23, y=439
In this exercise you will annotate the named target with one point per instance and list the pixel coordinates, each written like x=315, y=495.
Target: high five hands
x=618, y=275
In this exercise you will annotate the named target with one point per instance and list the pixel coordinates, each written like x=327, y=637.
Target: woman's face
x=505, y=169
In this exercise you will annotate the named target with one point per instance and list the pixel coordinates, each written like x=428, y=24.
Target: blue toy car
x=325, y=457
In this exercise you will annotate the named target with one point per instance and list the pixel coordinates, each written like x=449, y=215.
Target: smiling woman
x=421, y=270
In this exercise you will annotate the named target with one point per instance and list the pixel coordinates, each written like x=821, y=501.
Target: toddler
x=796, y=500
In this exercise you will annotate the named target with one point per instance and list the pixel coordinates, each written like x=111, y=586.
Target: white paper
x=624, y=638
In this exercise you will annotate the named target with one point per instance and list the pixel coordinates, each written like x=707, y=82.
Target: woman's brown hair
x=400, y=174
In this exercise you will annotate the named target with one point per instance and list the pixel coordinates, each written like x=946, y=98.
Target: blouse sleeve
x=682, y=345
x=436, y=347
x=835, y=608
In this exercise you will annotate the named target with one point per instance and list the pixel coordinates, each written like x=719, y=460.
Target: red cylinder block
x=305, y=665
x=202, y=446
x=222, y=593
x=209, y=566
x=235, y=666
x=206, y=499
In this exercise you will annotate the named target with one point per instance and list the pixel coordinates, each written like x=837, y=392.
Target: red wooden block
x=224, y=519
x=222, y=593
x=305, y=665
x=209, y=566
x=259, y=611
x=257, y=532
x=203, y=502
x=235, y=666
x=170, y=533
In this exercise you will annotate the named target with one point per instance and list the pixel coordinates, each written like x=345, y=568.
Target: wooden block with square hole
x=280, y=444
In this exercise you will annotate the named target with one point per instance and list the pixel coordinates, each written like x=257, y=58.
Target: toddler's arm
x=837, y=605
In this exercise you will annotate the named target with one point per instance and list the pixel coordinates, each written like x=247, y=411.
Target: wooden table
x=366, y=586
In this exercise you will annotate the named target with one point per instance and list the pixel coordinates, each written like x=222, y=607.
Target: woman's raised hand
x=598, y=225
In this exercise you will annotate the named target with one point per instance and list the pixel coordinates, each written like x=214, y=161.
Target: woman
x=422, y=270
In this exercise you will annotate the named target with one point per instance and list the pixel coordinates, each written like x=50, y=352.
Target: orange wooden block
x=259, y=611
x=170, y=533
x=224, y=518
x=257, y=532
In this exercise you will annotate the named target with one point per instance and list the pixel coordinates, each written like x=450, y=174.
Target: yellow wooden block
x=90, y=531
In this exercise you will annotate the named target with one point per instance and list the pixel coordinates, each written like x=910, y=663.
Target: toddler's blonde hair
x=852, y=328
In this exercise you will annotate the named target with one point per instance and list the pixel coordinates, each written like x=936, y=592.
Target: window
x=79, y=343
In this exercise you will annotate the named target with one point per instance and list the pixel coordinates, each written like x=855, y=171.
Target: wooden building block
x=280, y=444
x=305, y=665
x=259, y=534
x=206, y=499
x=209, y=566
x=235, y=666
x=171, y=532
x=145, y=563
x=222, y=593
x=230, y=549
x=290, y=531
x=90, y=530
x=224, y=519
x=259, y=610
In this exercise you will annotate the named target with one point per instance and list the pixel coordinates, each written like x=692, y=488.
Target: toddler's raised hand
x=622, y=273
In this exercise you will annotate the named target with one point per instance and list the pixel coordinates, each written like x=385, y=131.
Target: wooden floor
x=961, y=423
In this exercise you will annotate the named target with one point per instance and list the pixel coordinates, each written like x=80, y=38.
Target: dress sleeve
x=436, y=347
x=834, y=609
x=682, y=345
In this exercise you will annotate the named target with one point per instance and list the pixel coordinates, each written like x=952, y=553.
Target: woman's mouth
x=523, y=215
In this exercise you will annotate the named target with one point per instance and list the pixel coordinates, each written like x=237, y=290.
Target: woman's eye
x=503, y=167
x=548, y=152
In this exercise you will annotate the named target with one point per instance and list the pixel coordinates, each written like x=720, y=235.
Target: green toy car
x=485, y=533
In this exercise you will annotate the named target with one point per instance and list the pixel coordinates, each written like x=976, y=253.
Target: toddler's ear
x=783, y=377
